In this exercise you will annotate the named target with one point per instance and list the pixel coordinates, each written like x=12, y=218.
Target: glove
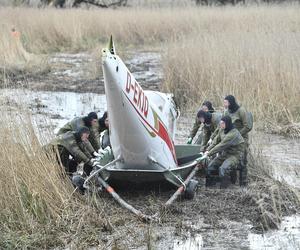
x=95, y=163
x=209, y=142
x=96, y=154
x=104, y=151
x=189, y=140
x=93, y=160
x=101, y=151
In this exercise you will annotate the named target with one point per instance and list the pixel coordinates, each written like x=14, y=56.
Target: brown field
x=251, y=52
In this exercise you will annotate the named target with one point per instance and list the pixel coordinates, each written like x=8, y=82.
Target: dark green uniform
x=197, y=124
x=209, y=129
x=241, y=121
x=75, y=125
x=230, y=146
x=68, y=145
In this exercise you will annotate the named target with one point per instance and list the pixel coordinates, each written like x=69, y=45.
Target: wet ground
x=207, y=222
x=82, y=72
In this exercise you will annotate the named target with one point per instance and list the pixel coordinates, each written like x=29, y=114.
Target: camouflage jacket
x=209, y=129
x=196, y=126
x=229, y=144
x=240, y=121
x=75, y=125
x=79, y=150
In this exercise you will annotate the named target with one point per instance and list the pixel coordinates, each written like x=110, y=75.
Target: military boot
x=225, y=182
x=210, y=181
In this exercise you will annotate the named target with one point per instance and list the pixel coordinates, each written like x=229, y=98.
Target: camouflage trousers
x=222, y=165
x=243, y=165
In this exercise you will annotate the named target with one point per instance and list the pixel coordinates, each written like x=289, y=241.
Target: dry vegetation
x=252, y=52
x=38, y=206
x=40, y=210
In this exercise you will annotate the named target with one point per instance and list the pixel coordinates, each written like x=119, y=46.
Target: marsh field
x=50, y=72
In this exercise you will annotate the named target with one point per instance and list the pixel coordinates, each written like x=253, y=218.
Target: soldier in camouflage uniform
x=229, y=144
x=207, y=107
x=104, y=131
x=89, y=121
x=210, y=123
x=74, y=144
x=243, y=123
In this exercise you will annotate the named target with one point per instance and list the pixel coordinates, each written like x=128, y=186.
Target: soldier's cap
x=83, y=130
x=92, y=116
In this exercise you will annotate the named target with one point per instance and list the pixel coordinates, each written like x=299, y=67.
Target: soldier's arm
x=244, y=119
x=195, y=128
x=215, y=133
x=94, y=137
x=215, y=141
x=205, y=138
x=228, y=141
x=78, y=154
x=89, y=147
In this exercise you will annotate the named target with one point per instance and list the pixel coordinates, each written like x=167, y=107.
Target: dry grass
x=38, y=208
x=273, y=199
x=253, y=54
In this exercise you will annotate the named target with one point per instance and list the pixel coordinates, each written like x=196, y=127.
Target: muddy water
x=59, y=107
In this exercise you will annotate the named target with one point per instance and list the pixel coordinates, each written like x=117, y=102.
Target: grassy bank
x=38, y=207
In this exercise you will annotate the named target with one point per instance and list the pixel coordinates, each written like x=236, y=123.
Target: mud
x=81, y=73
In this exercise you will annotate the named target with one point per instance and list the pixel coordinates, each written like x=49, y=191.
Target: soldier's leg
x=214, y=165
x=212, y=170
x=224, y=171
x=243, y=165
x=64, y=158
x=87, y=168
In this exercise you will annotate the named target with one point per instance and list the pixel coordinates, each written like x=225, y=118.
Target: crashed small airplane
x=142, y=133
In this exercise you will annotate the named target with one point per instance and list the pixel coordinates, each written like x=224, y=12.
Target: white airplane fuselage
x=142, y=123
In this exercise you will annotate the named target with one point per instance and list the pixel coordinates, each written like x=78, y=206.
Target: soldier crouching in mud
x=229, y=144
x=206, y=107
x=90, y=121
x=74, y=144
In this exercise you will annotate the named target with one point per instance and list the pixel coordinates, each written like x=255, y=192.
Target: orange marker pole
x=181, y=189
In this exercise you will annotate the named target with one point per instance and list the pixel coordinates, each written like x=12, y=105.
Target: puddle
x=192, y=242
x=51, y=110
x=287, y=237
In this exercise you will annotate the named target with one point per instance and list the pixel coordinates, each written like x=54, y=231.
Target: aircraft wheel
x=191, y=189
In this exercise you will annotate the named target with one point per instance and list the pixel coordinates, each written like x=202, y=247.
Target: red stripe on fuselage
x=162, y=131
